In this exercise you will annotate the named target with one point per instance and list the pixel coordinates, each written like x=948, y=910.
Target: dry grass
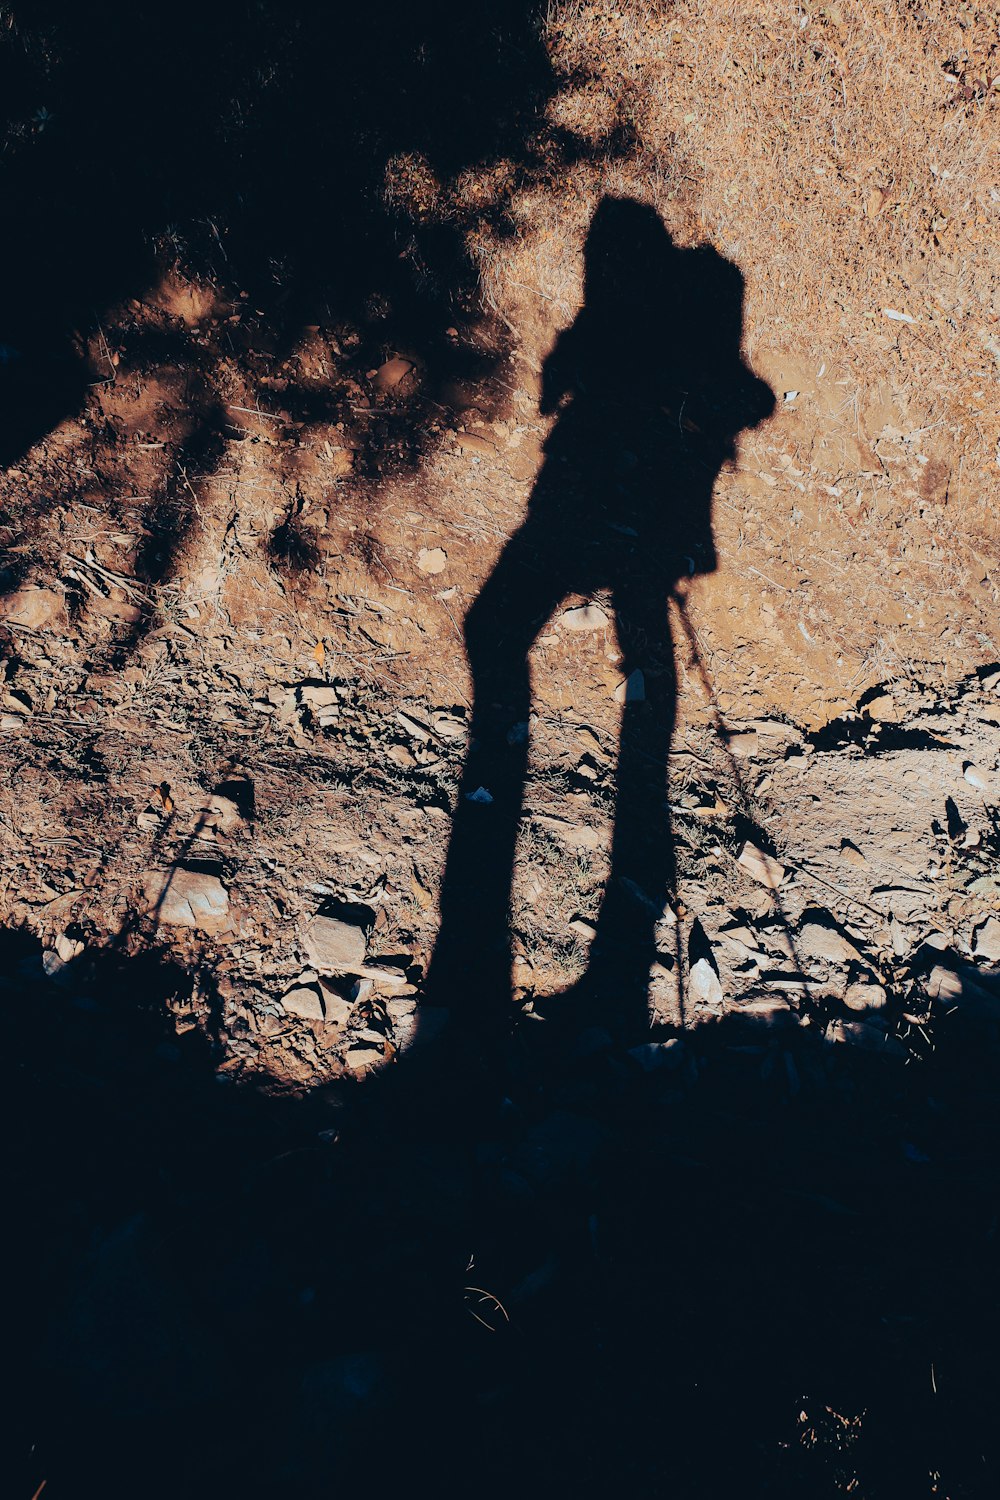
x=831, y=153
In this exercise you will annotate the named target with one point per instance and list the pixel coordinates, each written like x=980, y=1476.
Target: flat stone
x=864, y=997
x=335, y=946
x=586, y=617
x=986, y=941
x=364, y=1056
x=303, y=1001
x=764, y=1010
x=337, y=1010
x=704, y=984
x=815, y=940
x=33, y=607
x=432, y=559
x=188, y=898
x=472, y=442
x=760, y=866
x=392, y=373
x=651, y=1056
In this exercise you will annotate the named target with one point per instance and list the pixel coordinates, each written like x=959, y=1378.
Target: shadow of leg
x=471, y=967
x=642, y=874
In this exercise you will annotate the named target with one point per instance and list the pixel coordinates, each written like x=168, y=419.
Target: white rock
x=981, y=780
x=586, y=617
x=68, y=948
x=986, y=942
x=704, y=984
x=334, y=946
x=432, y=559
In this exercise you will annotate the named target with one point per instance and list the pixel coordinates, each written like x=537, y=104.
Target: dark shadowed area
x=751, y=1264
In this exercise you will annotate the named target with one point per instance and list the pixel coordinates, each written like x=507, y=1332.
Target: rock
x=317, y=695
x=869, y=1036
x=742, y=743
x=391, y=374
x=944, y=984
x=53, y=966
x=188, y=898
x=11, y=723
x=986, y=940
x=975, y=992
x=981, y=780
x=335, y=946
x=864, y=997
x=816, y=940
x=760, y=866
x=303, y=1001
x=223, y=814
x=586, y=617
x=633, y=689
x=471, y=442
x=432, y=559
x=34, y=608
x=68, y=948
x=583, y=928
x=651, y=1056
x=852, y=854
x=764, y=1010
x=704, y=984
x=364, y=1056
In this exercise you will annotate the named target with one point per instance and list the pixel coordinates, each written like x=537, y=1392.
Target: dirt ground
x=250, y=496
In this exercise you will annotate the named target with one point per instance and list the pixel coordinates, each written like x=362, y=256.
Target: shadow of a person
x=651, y=392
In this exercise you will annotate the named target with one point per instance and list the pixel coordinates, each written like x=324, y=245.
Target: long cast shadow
x=651, y=393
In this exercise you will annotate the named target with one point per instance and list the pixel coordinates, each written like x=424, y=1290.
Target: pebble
x=333, y=945
x=432, y=559
x=869, y=1037
x=981, y=780
x=654, y=1055
x=392, y=373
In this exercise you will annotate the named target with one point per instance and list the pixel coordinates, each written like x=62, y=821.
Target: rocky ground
x=274, y=404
